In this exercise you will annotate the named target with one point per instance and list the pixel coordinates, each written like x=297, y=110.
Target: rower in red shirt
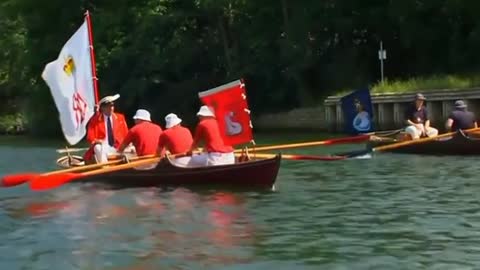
x=144, y=135
x=217, y=153
x=176, y=139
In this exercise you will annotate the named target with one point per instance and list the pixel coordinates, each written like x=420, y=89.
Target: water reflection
x=144, y=228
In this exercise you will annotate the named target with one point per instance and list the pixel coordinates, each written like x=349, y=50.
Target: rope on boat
x=69, y=156
x=244, y=155
x=254, y=151
x=125, y=159
x=466, y=136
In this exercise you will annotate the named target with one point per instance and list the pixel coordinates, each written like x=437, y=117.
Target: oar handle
x=139, y=161
x=96, y=165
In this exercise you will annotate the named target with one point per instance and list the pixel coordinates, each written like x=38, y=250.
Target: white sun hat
x=205, y=111
x=172, y=120
x=109, y=99
x=142, y=115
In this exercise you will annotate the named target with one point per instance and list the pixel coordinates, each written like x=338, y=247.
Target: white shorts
x=416, y=133
x=181, y=161
x=212, y=159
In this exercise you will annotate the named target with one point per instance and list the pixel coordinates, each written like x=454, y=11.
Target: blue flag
x=358, y=112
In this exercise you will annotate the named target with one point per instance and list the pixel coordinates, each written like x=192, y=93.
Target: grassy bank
x=453, y=81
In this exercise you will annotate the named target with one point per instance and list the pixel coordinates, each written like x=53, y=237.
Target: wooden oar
x=412, y=142
x=21, y=178
x=44, y=182
x=354, y=139
x=71, y=150
x=417, y=141
x=384, y=132
x=299, y=157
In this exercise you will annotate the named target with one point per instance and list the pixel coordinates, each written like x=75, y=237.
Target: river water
x=384, y=212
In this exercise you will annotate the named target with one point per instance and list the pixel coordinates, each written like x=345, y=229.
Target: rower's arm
x=448, y=124
x=427, y=123
x=197, y=137
x=408, y=122
x=161, y=145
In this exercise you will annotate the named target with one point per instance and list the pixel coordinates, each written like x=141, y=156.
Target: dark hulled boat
x=458, y=144
x=248, y=174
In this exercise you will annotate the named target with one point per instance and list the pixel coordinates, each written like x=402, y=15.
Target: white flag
x=71, y=84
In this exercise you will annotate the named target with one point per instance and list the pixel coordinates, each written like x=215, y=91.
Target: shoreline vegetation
x=421, y=84
x=17, y=124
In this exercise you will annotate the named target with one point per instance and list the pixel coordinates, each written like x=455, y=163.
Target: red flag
x=229, y=102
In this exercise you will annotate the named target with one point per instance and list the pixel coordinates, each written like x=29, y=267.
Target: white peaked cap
x=205, y=111
x=142, y=115
x=109, y=99
x=172, y=120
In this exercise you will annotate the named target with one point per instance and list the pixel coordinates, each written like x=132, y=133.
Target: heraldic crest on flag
x=229, y=102
x=70, y=80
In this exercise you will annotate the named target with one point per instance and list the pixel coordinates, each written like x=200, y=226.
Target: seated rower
x=105, y=131
x=144, y=135
x=460, y=118
x=418, y=121
x=217, y=153
x=176, y=139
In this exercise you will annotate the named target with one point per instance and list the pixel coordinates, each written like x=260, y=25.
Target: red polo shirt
x=144, y=137
x=208, y=130
x=177, y=139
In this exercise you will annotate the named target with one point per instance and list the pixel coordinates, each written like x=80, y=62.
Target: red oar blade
x=17, y=179
x=52, y=181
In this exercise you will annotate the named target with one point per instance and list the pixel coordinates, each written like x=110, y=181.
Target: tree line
x=158, y=54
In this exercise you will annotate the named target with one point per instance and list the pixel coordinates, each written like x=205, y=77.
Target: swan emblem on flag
x=233, y=128
x=362, y=121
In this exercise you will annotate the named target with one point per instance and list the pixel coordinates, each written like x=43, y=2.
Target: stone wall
x=388, y=111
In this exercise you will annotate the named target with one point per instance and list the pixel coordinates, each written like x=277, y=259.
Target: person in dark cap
x=460, y=118
x=416, y=118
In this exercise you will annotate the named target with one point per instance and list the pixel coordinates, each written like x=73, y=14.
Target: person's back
x=144, y=135
x=208, y=130
x=461, y=118
x=176, y=140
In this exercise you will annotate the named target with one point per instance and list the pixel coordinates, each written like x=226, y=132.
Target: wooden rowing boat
x=247, y=174
x=458, y=144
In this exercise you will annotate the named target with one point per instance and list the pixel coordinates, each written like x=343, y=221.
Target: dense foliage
x=159, y=53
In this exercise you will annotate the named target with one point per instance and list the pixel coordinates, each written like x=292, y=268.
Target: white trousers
x=212, y=159
x=182, y=161
x=416, y=133
x=102, y=151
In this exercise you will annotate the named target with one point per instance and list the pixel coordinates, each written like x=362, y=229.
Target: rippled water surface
x=386, y=212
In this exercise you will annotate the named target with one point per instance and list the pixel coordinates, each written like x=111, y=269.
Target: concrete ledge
x=388, y=111
x=431, y=95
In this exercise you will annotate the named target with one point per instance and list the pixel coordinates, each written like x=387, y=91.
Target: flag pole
x=92, y=56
